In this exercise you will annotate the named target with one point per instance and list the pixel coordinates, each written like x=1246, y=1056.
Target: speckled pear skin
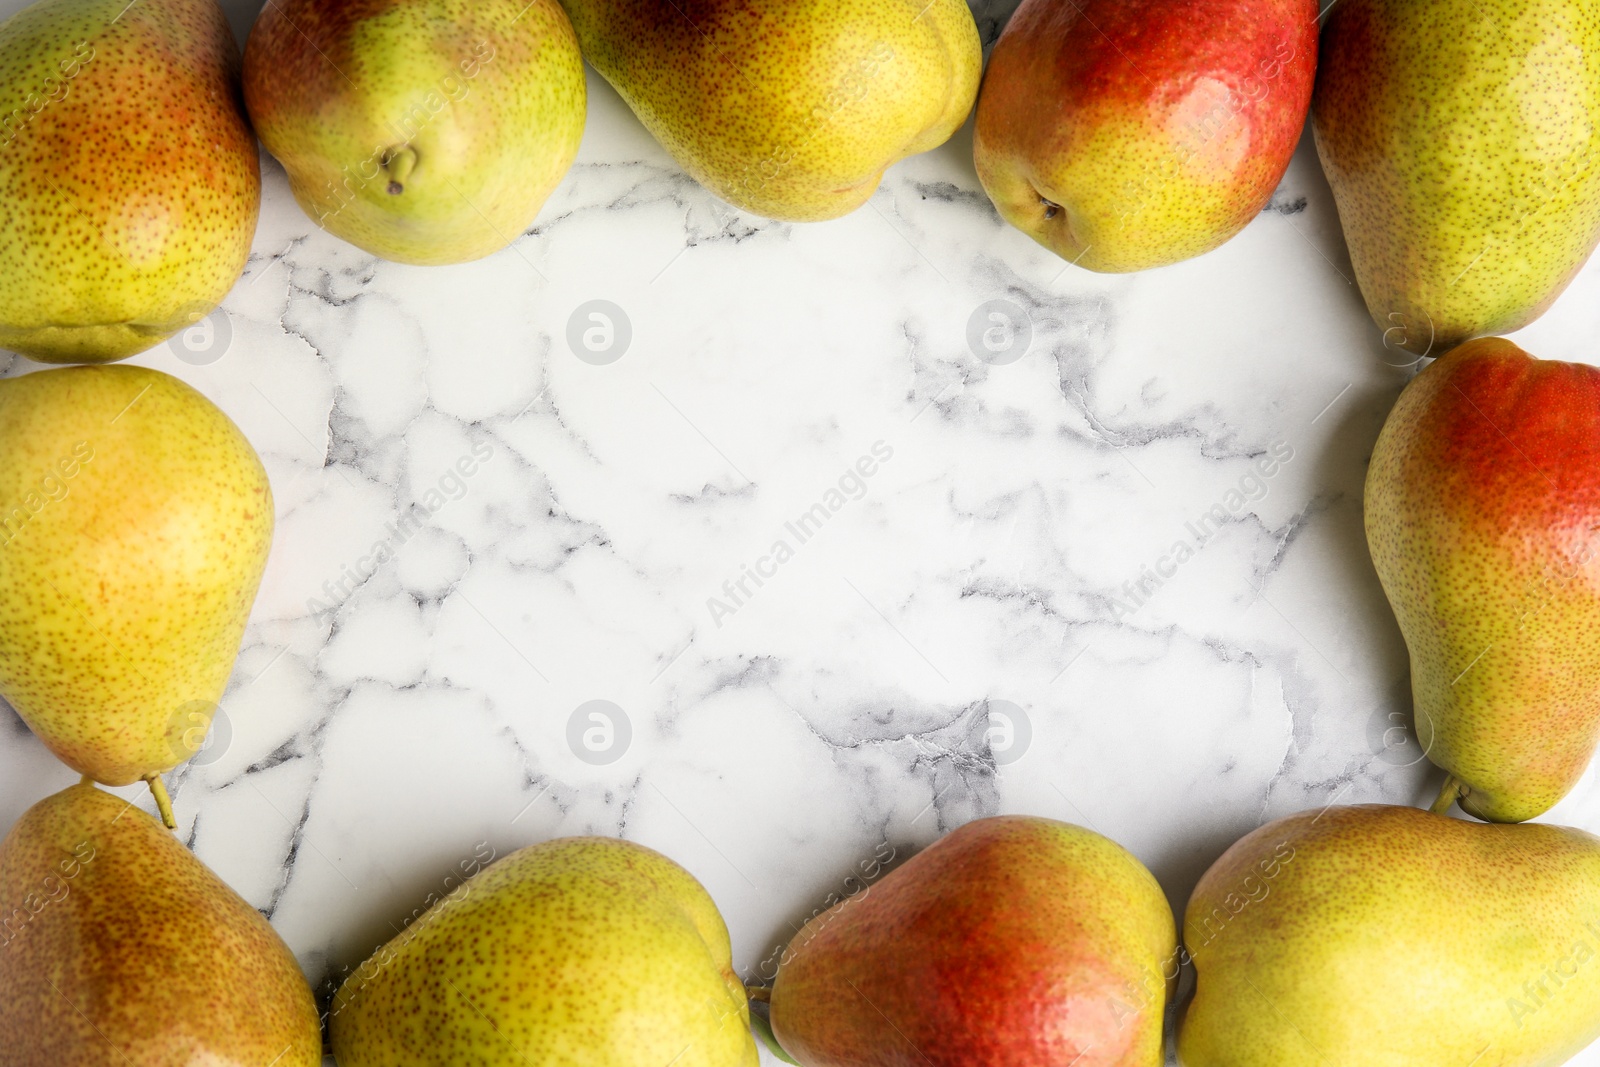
x=579, y=952
x=423, y=131
x=1014, y=941
x=791, y=109
x=129, y=178
x=1459, y=137
x=1483, y=517
x=134, y=525
x=1379, y=936
x=119, y=949
x=1129, y=134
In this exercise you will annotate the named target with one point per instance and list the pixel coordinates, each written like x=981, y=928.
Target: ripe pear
x=584, y=950
x=1459, y=138
x=119, y=949
x=1378, y=936
x=1013, y=942
x=1483, y=517
x=791, y=109
x=423, y=131
x=129, y=178
x=1126, y=134
x=134, y=525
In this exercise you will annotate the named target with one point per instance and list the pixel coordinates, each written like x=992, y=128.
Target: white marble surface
x=371, y=746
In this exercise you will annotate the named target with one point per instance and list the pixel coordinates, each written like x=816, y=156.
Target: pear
x=119, y=949
x=790, y=109
x=1013, y=942
x=134, y=526
x=1127, y=134
x=583, y=950
x=1483, y=517
x=129, y=178
x=1377, y=935
x=423, y=131
x=1459, y=138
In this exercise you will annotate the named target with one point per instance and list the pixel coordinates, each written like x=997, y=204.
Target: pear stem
x=1448, y=795
x=399, y=162
x=158, y=789
x=759, y=993
x=763, y=1029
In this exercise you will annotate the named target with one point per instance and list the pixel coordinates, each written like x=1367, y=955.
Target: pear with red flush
x=1126, y=134
x=1013, y=942
x=1483, y=517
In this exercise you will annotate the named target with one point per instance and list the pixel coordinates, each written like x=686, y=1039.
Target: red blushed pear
x=1483, y=517
x=129, y=178
x=1013, y=942
x=120, y=949
x=1127, y=134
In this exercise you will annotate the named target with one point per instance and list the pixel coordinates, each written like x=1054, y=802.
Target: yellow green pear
x=583, y=951
x=423, y=131
x=1378, y=936
x=134, y=526
x=129, y=178
x=1459, y=137
x=119, y=949
x=790, y=109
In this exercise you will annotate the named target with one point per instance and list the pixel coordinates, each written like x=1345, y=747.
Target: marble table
x=526, y=582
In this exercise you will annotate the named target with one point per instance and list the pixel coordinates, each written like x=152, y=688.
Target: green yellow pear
x=129, y=178
x=1014, y=941
x=1482, y=506
x=1459, y=137
x=1377, y=936
x=134, y=525
x=119, y=949
x=790, y=109
x=423, y=131
x=583, y=951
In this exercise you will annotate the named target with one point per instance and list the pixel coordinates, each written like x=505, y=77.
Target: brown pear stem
x=761, y=994
x=158, y=789
x=1448, y=795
